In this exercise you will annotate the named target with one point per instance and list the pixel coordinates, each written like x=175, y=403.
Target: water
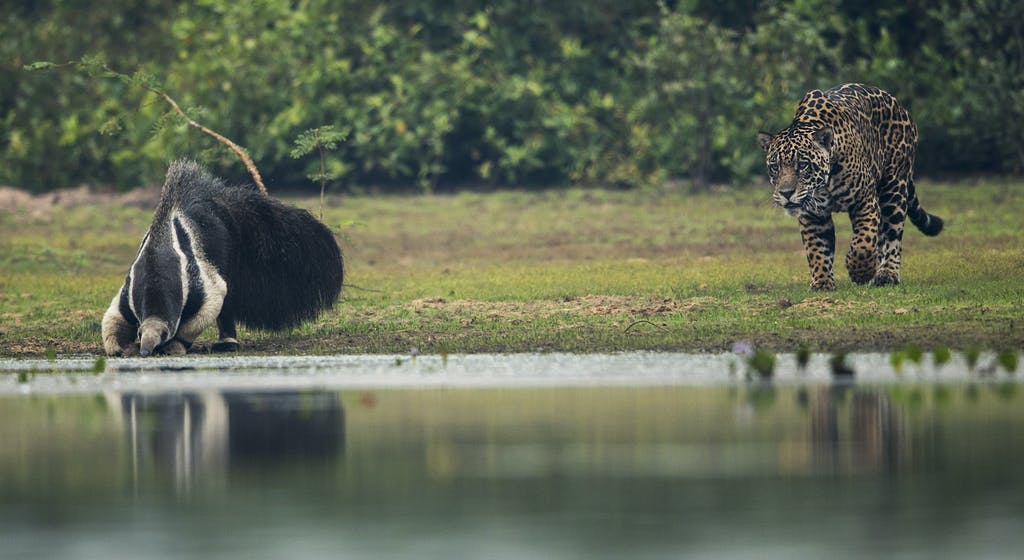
x=532, y=456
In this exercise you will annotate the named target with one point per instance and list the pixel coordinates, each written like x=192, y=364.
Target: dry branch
x=645, y=321
x=219, y=137
x=93, y=64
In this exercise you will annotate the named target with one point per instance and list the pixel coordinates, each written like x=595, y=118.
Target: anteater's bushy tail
x=287, y=267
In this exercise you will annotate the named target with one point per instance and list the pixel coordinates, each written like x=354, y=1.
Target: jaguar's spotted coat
x=849, y=149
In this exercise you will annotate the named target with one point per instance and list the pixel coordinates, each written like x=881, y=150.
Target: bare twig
x=323, y=170
x=635, y=323
x=221, y=138
x=362, y=288
x=92, y=64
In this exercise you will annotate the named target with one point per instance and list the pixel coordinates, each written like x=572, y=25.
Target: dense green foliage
x=439, y=93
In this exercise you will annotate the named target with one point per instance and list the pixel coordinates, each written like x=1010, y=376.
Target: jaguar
x=849, y=149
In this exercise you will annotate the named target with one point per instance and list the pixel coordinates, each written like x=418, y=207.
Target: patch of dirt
x=649, y=306
x=40, y=205
x=34, y=347
x=827, y=306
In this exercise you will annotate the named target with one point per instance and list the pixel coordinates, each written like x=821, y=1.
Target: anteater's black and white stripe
x=220, y=254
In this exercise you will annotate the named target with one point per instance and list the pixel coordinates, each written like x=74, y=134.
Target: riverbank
x=574, y=270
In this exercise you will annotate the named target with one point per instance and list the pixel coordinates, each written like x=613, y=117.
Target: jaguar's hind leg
x=893, y=209
x=861, y=259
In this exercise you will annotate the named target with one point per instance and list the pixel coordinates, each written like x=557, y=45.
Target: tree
x=95, y=67
x=694, y=83
x=986, y=42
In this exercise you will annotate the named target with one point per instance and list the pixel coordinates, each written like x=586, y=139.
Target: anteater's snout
x=152, y=333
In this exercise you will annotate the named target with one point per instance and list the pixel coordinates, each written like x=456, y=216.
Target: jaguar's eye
x=801, y=166
x=773, y=169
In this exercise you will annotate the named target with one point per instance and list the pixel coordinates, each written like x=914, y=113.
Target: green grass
x=578, y=270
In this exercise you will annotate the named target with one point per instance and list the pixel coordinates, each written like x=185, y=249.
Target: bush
x=439, y=94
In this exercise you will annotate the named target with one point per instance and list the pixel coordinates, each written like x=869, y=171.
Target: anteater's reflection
x=197, y=438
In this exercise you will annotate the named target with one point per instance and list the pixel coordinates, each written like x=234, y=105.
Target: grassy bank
x=578, y=270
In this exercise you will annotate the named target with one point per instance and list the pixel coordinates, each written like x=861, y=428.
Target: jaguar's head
x=799, y=165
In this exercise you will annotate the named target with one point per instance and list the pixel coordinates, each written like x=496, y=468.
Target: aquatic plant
x=914, y=353
x=1008, y=360
x=971, y=356
x=941, y=356
x=896, y=361
x=803, y=356
x=837, y=363
x=100, y=365
x=762, y=362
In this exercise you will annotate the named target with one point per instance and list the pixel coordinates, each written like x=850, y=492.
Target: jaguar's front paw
x=826, y=285
x=862, y=276
x=885, y=280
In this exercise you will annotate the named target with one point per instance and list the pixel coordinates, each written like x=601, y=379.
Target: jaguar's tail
x=929, y=224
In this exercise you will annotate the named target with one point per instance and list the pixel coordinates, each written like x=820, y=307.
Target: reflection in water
x=914, y=471
x=195, y=436
x=867, y=436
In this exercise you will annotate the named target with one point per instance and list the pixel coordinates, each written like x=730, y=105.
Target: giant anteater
x=220, y=252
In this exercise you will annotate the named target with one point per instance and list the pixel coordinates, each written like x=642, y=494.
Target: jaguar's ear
x=823, y=137
x=763, y=138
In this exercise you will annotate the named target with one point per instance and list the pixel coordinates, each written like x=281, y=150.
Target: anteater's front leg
x=119, y=332
x=819, y=236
